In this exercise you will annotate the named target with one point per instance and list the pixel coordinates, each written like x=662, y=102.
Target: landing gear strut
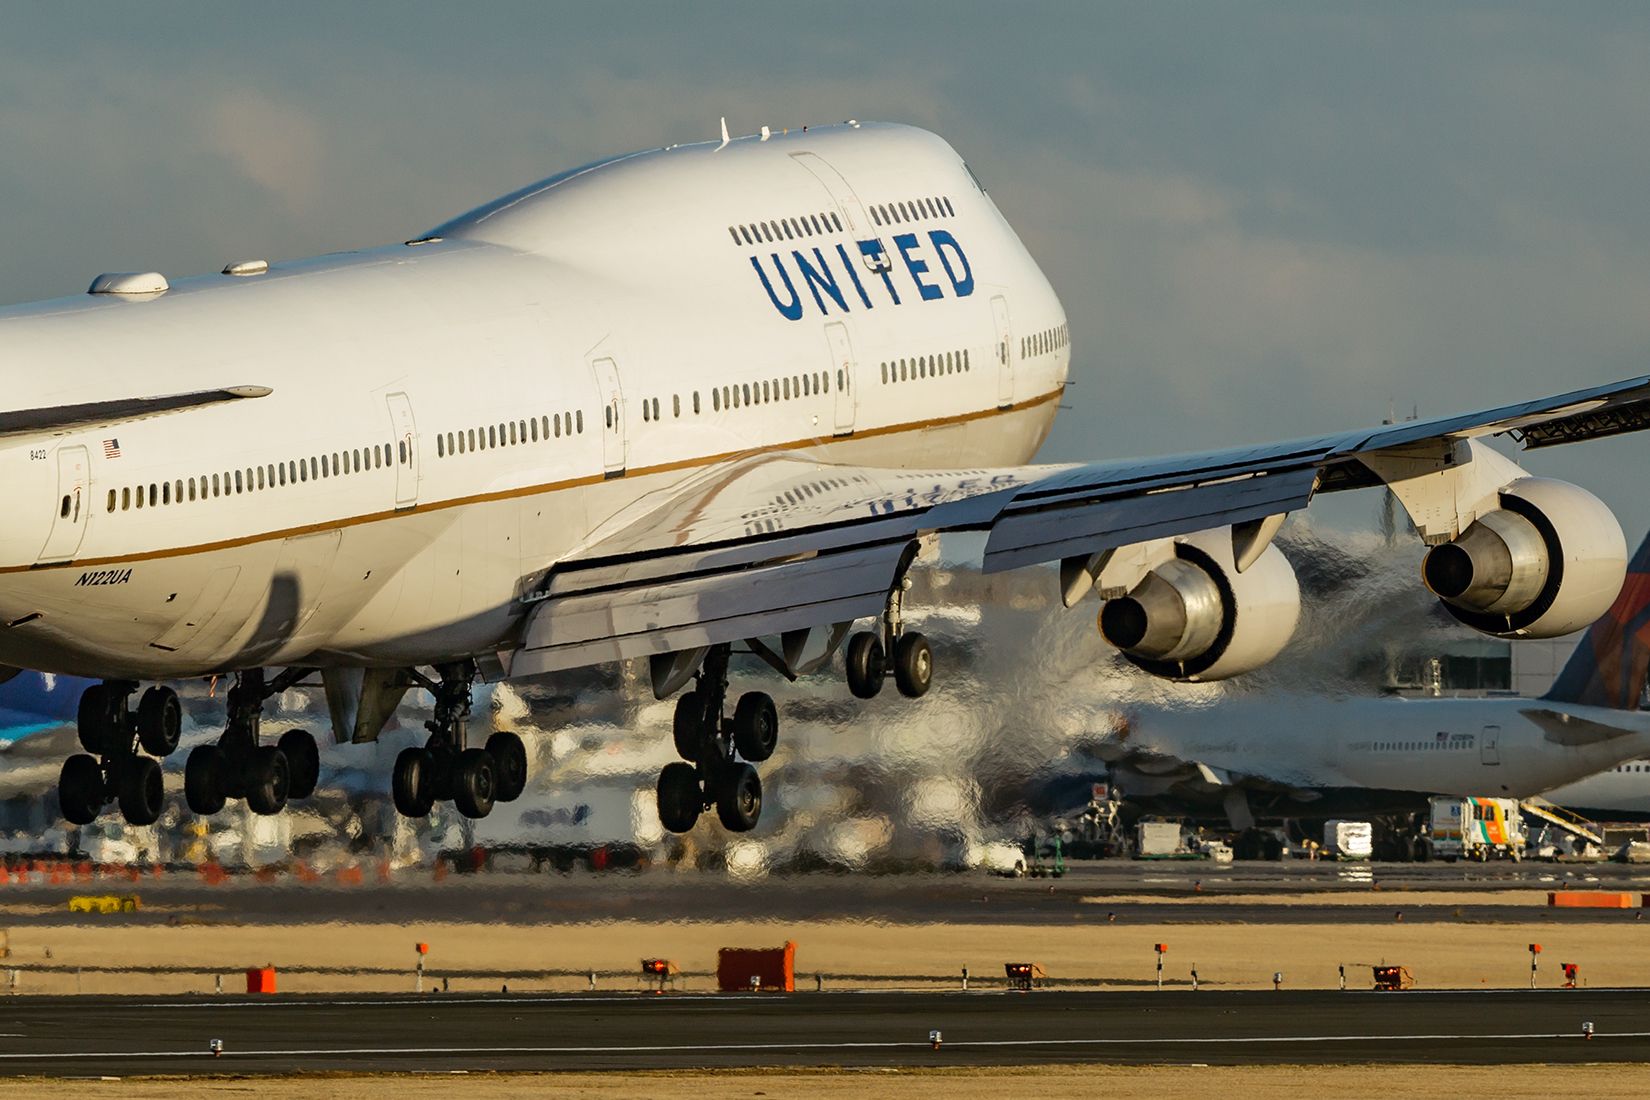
x=241, y=766
x=445, y=768
x=113, y=767
x=868, y=652
x=717, y=752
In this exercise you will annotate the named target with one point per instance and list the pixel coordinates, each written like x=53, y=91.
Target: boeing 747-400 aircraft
x=659, y=406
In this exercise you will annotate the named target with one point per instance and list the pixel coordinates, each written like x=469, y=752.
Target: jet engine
x=1549, y=561
x=1196, y=617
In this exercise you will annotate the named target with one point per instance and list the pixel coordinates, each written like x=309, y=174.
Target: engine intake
x=1195, y=617
x=1549, y=561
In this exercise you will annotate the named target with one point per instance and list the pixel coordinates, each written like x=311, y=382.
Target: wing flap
x=668, y=615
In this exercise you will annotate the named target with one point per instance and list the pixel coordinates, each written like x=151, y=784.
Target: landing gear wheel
x=303, y=761
x=412, y=784
x=268, y=780
x=509, y=765
x=680, y=798
x=94, y=718
x=80, y=790
x=755, y=726
x=913, y=665
x=159, y=721
x=141, y=790
x=688, y=728
x=739, y=798
x=866, y=665
x=475, y=783
x=202, y=780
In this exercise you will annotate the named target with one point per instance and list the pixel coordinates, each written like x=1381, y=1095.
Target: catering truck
x=1475, y=828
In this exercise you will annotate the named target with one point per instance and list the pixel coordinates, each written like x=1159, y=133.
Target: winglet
x=725, y=138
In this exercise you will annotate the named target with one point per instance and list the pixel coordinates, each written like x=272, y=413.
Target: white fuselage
x=1309, y=749
x=1618, y=793
x=450, y=418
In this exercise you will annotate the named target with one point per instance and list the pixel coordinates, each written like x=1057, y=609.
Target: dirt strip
x=380, y=956
x=1597, y=1082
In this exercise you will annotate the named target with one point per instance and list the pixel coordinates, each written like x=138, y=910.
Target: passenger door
x=1489, y=745
x=1005, y=352
x=406, y=450
x=842, y=375
x=614, y=443
x=73, y=505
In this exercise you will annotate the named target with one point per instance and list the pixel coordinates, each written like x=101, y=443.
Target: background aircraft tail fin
x=1609, y=667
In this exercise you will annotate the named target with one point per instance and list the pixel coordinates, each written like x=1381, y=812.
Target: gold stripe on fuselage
x=531, y=490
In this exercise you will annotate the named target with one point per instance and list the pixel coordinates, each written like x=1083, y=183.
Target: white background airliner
x=662, y=405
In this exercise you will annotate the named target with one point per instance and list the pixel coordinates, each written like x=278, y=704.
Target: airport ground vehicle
x=1476, y=828
x=1348, y=839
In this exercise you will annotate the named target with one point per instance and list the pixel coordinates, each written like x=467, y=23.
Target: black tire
x=688, y=728
x=268, y=780
x=203, y=780
x=680, y=798
x=739, y=798
x=475, y=783
x=93, y=718
x=913, y=665
x=412, y=783
x=80, y=789
x=159, y=721
x=141, y=791
x=303, y=762
x=755, y=726
x=867, y=666
x=509, y=765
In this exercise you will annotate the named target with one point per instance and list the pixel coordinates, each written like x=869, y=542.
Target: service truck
x=1475, y=828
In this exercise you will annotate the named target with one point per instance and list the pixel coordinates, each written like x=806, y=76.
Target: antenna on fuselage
x=725, y=138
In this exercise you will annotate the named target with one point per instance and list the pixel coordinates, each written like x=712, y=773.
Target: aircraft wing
x=58, y=418
x=773, y=543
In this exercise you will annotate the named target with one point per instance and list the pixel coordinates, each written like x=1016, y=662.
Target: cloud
x=275, y=145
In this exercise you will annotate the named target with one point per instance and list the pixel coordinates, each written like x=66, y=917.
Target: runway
x=1114, y=890
x=96, y=1036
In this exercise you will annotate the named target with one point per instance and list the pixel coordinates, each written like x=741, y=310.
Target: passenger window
x=111, y=500
x=581, y=421
x=533, y=429
x=63, y=509
x=440, y=447
x=401, y=450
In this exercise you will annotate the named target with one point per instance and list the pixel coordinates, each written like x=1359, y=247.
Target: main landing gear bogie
x=444, y=769
x=113, y=767
x=240, y=765
x=717, y=752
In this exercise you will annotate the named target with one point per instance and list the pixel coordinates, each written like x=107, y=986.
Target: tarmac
x=1122, y=890
x=101, y=1036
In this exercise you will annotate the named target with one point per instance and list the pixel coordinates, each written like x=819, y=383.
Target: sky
x=1264, y=220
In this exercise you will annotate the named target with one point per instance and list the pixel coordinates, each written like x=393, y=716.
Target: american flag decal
x=111, y=448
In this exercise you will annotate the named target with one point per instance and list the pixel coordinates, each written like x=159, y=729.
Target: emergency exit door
x=405, y=450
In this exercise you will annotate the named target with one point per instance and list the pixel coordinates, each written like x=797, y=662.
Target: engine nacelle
x=1549, y=561
x=1195, y=617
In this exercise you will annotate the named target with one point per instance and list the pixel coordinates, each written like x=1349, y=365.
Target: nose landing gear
x=868, y=654
x=715, y=751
